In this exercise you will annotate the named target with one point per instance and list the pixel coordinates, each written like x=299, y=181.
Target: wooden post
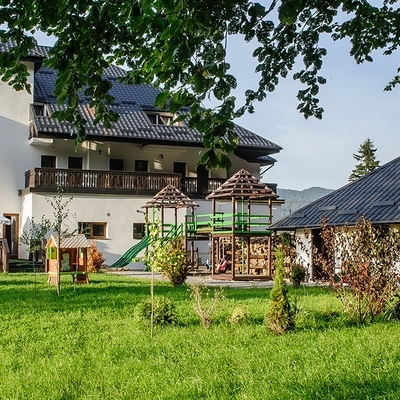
x=233, y=238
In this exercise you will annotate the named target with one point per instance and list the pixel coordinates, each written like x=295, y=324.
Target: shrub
x=166, y=255
x=239, y=316
x=393, y=309
x=281, y=313
x=164, y=311
x=95, y=258
x=204, y=304
x=297, y=274
x=367, y=256
x=176, y=266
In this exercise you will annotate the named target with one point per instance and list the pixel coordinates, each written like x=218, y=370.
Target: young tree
x=33, y=238
x=181, y=47
x=281, y=313
x=366, y=158
x=58, y=225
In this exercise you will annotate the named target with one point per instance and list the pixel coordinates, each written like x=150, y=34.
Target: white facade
x=19, y=154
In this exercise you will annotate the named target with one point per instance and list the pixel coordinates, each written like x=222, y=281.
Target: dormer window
x=160, y=118
x=40, y=110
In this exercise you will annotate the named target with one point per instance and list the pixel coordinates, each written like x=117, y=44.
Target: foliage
x=281, y=313
x=204, y=305
x=363, y=257
x=239, y=316
x=182, y=47
x=175, y=264
x=166, y=255
x=392, y=311
x=366, y=158
x=297, y=274
x=95, y=258
x=164, y=311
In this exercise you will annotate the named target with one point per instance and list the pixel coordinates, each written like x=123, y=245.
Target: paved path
x=205, y=279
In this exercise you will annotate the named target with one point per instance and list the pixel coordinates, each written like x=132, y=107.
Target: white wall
x=16, y=156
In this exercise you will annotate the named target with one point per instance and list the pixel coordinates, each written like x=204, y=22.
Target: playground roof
x=69, y=242
x=170, y=197
x=243, y=185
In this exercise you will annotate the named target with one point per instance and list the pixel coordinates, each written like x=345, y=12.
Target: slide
x=131, y=253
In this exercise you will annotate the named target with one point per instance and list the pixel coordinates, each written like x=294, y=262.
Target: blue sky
x=319, y=152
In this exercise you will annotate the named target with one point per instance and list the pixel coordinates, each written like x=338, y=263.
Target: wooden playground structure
x=240, y=240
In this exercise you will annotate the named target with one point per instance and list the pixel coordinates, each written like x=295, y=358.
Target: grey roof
x=375, y=196
x=131, y=102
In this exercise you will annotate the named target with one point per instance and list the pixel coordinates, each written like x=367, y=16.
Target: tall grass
x=88, y=343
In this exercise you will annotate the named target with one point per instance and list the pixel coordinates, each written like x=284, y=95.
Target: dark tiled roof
x=130, y=102
x=375, y=196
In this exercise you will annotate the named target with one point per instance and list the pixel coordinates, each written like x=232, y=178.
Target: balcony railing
x=115, y=181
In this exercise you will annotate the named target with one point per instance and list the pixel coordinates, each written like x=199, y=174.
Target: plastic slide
x=131, y=253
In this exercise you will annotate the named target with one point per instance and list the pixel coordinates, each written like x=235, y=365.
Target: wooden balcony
x=114, y=182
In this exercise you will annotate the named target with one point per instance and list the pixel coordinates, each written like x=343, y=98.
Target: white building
x=114, y=172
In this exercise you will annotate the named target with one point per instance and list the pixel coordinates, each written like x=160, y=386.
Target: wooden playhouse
x=67, y=255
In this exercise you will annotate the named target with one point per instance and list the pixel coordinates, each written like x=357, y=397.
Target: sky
x=320, y=152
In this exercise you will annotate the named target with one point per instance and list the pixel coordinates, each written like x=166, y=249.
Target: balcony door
x=11, y=233
x=180, y=168
x=202, y=179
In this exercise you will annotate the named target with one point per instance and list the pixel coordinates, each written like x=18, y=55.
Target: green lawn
x=89, y=343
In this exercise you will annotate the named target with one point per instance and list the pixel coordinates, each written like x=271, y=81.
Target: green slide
x=131, y=253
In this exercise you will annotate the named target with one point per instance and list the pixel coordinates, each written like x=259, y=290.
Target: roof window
x=161, y=118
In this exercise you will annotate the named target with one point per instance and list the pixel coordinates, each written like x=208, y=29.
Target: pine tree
x=366, y=158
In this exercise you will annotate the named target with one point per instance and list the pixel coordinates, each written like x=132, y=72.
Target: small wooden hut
x=72, y=251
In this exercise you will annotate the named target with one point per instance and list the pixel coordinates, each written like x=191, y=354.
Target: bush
x=176, y=266
x=203, y=304
x=239, y=316
x=95, y=258
x=393, y=310
x=367, y=256
x=164, y=312
x=297, y=274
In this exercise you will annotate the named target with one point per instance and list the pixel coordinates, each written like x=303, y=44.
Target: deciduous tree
x=181, y=47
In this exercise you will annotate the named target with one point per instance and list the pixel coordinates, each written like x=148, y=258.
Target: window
x=141, y=165
x=48, y=161
x=40, y=109
x=116, y=164
x=93, y=230
x=75, y=162
x=139, y=230
x=161, y=118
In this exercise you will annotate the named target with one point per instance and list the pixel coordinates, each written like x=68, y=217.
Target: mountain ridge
x=295, y=199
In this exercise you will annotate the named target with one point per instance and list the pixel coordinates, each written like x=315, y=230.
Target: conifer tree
x=367, y=161
x=281, y=313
